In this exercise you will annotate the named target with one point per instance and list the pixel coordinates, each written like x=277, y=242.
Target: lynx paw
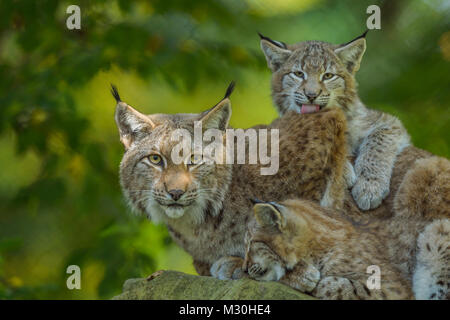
x=349, y=174
x=369, y=194
x=228, y=268
x=334, y=288
x=310, y=279
x=255, y=270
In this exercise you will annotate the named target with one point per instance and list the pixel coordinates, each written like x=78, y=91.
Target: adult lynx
x=312, y=75
x=206, y=206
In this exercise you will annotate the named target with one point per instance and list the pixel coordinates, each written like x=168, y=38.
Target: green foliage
x=60, y=199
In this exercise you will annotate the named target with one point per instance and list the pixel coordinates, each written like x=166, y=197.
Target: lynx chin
x=310, y=76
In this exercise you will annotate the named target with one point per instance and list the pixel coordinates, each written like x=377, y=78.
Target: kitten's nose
x=312, y=95
x=176, y=194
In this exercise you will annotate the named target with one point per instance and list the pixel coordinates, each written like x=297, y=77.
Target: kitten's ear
x=352, y=52
x=130, y=122
x=276, y=52
x=267, y=215
x=218, y=116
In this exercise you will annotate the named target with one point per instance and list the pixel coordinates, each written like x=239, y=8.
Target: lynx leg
x=339, y=288
x=335, y=288
x=228, y=268
x=349, y=174
x=375, y=162
x=202, y=268
x=432, y=274
x=304, y=277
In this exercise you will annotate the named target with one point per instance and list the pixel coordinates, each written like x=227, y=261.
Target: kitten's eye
x=155, y=159
x=328, y=76
x=299, y=74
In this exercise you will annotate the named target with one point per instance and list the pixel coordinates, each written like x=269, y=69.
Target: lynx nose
x=312, y=95
x=176, y=194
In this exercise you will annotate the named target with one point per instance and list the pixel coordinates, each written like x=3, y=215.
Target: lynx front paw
x=334, y=288
x=304, y=277
x=228, y=268
x=369, y=194
x=310, y=278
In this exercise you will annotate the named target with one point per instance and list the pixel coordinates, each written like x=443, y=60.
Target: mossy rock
x=173, y=285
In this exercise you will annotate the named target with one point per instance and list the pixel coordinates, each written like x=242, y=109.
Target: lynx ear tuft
x=277, y=43
x=230, y=90
x=365, y=33
x=219, y=116
x=115, y=93
x=276, y=52
x=255, y=201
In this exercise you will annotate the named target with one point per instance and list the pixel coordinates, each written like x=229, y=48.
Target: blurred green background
x=60, y=201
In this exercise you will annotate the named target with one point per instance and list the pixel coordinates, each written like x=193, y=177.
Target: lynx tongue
x=309, y=108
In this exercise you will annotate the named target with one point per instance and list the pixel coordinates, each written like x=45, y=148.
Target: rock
x=173, y=285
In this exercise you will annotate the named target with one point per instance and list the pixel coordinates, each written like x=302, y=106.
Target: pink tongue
x=309, y=108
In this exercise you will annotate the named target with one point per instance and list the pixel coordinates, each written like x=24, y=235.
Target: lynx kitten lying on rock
x=315, y=250
x=312, y=75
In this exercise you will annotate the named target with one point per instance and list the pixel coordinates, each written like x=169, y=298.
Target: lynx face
x=152, y=182
x=312, y=75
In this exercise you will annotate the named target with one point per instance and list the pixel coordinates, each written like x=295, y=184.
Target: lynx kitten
x=312, y=75
x=314, y=250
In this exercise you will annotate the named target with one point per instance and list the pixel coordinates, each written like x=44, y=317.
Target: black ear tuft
x=255, y=201
x=229, y=90
x=115, y=93
x=263, y=37
x=358, y=37
x=277, y=43
x=364, y=34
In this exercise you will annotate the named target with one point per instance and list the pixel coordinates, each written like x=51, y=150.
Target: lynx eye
x=299, y=74
x=328, y=76
x=155, y=159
